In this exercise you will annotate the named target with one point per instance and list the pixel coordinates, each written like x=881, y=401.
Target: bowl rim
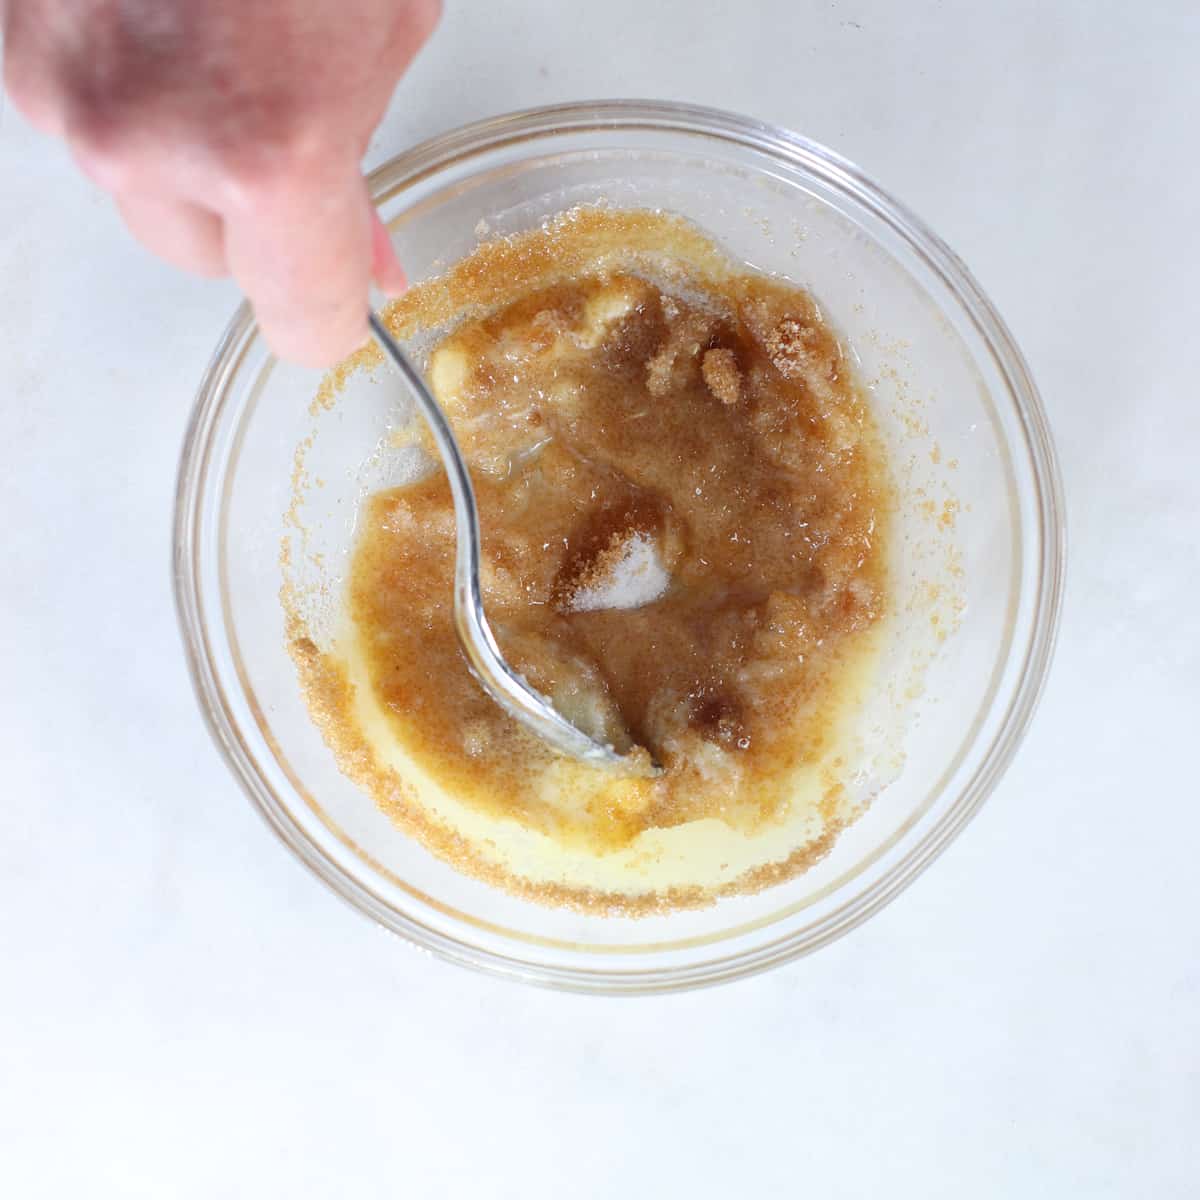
x=612, y=115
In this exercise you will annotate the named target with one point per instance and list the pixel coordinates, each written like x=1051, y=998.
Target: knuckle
x=102, y=156
x=103, y=136
x=251, y=165
x=270, y=161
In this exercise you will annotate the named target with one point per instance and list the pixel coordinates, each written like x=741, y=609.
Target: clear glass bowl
x=954, y=397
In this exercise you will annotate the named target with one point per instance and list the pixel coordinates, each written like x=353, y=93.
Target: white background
x=184, y=1012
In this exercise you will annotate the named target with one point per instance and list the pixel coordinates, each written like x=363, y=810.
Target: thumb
x=304, y=251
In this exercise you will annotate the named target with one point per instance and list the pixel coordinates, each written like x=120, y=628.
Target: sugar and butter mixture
x=684, y=508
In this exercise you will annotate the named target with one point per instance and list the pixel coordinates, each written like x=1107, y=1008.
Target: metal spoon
x=497, y=678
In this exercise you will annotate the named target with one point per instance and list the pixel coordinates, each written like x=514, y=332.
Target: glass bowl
x=979, y=547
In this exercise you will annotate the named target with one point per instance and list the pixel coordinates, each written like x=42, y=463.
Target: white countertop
x=184, y=1012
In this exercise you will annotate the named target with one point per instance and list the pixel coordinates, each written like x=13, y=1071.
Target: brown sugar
x=721, y=374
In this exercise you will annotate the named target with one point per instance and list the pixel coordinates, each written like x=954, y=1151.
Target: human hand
x=230, y=133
